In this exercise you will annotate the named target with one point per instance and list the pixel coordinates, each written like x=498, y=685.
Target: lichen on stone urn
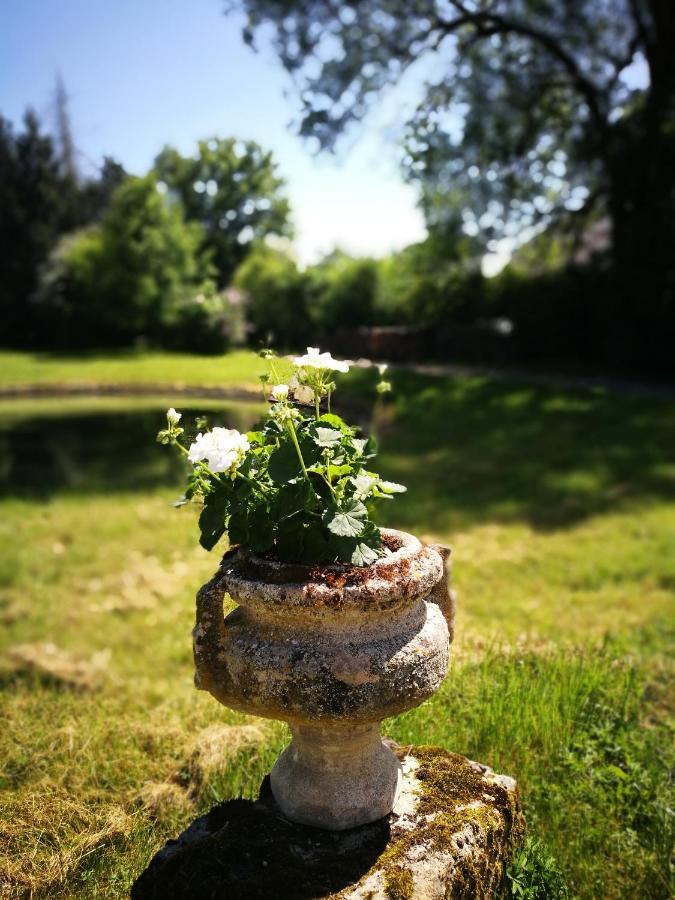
x=332, y=651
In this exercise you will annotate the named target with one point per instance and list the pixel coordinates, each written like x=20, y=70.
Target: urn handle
x=210, y=639
x=441, y=594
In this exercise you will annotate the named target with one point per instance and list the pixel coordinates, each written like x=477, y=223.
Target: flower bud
x=280, y=392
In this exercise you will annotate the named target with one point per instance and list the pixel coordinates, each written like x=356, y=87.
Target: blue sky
x=152, y=72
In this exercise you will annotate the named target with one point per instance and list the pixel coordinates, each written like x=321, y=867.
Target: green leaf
x=391, y=487
x=284, y=464
x=237, y=529
x=346, y=520
x=311, y=452
x=338, y=471
x=363, y=555
x=289, y=538
x=334, y=421
x=261, y=532
x=327, y=437
x=294, y=498
x=368, y=546
x=212, y=521
x=363, y=485
x=316, y=547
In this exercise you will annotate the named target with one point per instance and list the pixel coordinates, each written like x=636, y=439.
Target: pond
x=85, y=445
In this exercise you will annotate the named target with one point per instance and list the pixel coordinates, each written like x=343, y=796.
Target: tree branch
x=489, y=23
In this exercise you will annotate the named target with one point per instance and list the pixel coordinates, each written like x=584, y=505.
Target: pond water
x=81, y=445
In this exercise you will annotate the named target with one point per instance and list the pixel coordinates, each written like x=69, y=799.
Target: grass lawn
x=560, y=508
x=241, y=367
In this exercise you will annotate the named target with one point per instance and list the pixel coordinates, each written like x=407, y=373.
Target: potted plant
x=339, y=623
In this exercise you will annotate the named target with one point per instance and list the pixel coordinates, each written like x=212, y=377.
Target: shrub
x=343, y=292
x=139, y=273
x=276, y=297
x=534, y=874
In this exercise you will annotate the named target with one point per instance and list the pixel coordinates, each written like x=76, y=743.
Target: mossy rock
x=454, y=826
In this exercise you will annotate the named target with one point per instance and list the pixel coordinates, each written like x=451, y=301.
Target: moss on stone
x=452, y=784
x=399, y=884
x=245, y=849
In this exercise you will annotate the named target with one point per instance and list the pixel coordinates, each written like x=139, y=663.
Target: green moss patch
x=246, y=849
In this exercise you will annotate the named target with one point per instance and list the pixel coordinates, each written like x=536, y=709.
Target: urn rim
x=408, y=571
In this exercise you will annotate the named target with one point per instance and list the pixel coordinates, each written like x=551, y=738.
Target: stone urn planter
x=332, y=650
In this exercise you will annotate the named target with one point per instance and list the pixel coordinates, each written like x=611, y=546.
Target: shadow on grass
x=472, y=450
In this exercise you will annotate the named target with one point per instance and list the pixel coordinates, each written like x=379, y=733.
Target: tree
x=276, y=297
x=140, y=273
x=342, y=291
x=64, y=131
x=232, y=189
x=33, y=201
x=40, y=200
x=535, y=113
x=429, y=284
x=95, y=194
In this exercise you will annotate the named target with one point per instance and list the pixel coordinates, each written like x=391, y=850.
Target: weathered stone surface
x=332, y=650
x=340, y=644
x=336, y=777
x=454, y=825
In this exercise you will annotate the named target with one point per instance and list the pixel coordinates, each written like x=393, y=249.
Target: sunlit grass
x=560, y=511
x=240, y=367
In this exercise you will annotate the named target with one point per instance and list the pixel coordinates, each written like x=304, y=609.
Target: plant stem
x=317, y=403
x=294, y=438
x=256, y=484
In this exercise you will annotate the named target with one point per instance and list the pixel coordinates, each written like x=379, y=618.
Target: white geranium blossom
x=382, y=368
x=222, y=448
x=280, y=392
x=304, y=394
x=173, y=417
x=301, y=392
x=314, y=359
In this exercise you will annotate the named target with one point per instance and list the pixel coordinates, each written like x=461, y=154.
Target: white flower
x=222, y=448
x=382, y=368
x=313, y=359
x=280, y=392
x=304, y=394
x=173, y=417
x=301, y=392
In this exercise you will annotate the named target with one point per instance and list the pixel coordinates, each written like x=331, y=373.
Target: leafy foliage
x=534, y=874
x=534, y=109
x=276, y=297
x=40, y=201
x=272, y=506
x=139, y=272
x=299, y=488
x=342, y=291
x=231, y=188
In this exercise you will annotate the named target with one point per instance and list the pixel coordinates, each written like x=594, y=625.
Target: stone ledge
x=452, y=829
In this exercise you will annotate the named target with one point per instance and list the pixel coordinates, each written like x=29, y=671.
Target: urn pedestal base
x=336, y=777
x=454, y=825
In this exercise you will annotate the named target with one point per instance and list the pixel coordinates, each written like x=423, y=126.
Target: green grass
x=135, y=367
x=560, y=508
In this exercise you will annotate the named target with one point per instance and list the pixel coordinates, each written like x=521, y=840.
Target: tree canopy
x=232, y=189
x=139, y=273
x=40, y=200
x=536, y=112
